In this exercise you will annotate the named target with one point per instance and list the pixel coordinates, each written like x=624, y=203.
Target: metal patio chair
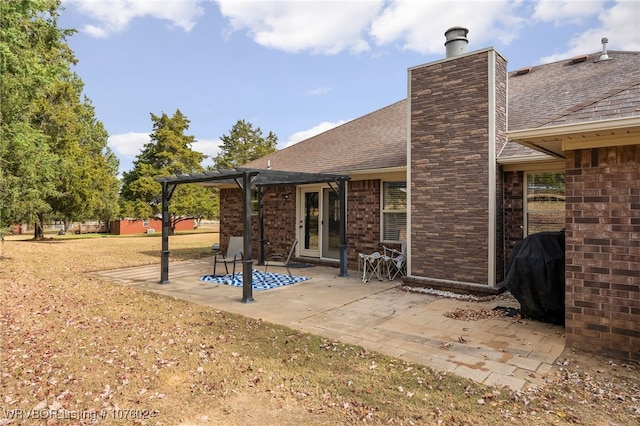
x=234, y=254
x=281, y=259
x=371, y=265
x=396, y=261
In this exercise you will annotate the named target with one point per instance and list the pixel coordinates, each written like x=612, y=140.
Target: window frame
x=525, y=198
x=384, y=211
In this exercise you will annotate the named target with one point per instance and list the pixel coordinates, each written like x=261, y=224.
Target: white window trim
x=383, y=211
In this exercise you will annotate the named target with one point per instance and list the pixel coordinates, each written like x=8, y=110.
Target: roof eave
x=555, y=140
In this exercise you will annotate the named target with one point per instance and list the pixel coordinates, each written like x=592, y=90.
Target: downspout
x=408, y=177
x=491, y=238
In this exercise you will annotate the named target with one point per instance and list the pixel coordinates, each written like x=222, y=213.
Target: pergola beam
x=246, y=179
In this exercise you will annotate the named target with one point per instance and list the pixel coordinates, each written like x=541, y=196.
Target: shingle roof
x=376, y=140
x=568, y=93
x=563, y=92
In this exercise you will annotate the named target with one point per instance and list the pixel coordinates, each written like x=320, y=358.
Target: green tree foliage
x=33, y=56
x=87, y=186
x=244, y=144
x=168, y=153
x=54, y=158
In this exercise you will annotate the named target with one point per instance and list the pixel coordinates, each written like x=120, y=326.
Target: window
x=545, y=202
x=145, y=223
x=254, y=202
x=394, y=211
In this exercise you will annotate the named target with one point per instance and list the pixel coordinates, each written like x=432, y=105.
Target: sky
x=299, y=68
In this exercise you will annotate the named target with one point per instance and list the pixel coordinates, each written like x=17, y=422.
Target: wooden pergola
x=246, y=179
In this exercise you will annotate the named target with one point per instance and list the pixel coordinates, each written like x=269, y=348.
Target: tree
x=244, y=144
x=33, y=55
x=54, y=158
x=87, y=187
x=168, y=153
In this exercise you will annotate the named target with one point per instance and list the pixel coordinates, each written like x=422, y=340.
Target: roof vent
x=457, y=42
x=523, y=71
x=604, y=56
x=578, y=59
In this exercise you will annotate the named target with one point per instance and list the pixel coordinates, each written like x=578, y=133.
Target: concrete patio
x=379, y=317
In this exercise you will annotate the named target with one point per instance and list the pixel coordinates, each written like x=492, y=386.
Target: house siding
x=602, y=297
x=450, y=154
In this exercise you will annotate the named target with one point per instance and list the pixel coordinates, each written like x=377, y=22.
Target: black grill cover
x=535, y=276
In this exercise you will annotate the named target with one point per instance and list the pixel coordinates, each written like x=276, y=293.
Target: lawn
x=78, y=350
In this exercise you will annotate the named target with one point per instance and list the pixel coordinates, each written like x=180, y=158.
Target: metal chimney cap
x=456, y=33
x=457, y=41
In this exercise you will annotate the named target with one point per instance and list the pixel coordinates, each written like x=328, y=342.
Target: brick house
x=145, y=226
x=472, y=161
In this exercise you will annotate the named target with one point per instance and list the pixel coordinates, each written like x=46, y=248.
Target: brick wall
x=500, y=248
x=136, y=226
x=603, y=250
x=363, y=219
x=279, y=219
x=449, y=166
x=513, y=211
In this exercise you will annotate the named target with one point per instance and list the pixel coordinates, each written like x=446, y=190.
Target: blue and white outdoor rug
x=260, y=281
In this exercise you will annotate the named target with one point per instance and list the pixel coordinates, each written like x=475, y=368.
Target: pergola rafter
x=245, y=179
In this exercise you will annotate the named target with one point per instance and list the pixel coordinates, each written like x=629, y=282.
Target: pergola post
x=261, y=192
x=342, y=193
x=247, y=263
x=260, y=179
x=167, y=192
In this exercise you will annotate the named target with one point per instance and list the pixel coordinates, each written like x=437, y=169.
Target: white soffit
x=555, y=140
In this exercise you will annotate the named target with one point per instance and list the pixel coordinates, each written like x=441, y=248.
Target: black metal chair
x=281, y=259
x=234, y=254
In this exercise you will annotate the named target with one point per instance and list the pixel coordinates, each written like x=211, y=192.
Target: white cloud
x=563, y=12
x=316, y=130
x=618, y=23
x=328, y=27
x=411, y=23
x=331, y=27
x=96, y=32
x=319, y=91
x=128, y=144
x=210, y=147
x=115, y=15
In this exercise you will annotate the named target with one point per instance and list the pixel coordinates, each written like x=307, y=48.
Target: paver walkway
x=379, y=317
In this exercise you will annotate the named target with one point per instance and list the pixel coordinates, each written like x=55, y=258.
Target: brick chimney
x=457, y=127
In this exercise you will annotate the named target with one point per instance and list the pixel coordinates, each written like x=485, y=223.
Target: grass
x=86, y=347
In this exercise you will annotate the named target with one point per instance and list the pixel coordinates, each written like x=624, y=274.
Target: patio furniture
x=371, y=265
x=396, y=261
x=234, y=254
x=281, y=258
